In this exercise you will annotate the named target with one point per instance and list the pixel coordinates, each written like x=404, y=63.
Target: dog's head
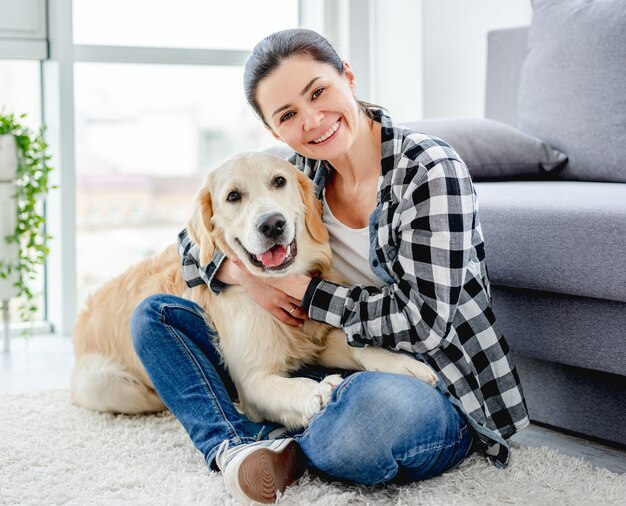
x=261, y=209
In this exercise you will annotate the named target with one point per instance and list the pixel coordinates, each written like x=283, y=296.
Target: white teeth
x=289, y=250
x=330, y=132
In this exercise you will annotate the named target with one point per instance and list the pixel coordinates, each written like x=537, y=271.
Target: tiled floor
x=44, y=362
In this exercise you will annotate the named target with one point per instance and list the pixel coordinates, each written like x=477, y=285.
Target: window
x=147, y=134
x=236, y=24
x=20, y=90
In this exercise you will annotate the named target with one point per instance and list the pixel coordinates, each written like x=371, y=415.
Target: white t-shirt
x=350, y=248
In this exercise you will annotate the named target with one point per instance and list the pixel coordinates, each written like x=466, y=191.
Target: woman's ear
x=200, y=227
x=349, y=75
x=313, y=210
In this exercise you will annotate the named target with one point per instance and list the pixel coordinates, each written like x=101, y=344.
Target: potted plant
x=24, y=183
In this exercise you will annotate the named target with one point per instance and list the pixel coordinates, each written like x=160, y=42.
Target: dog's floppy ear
x=313, y=207
x=200, y=227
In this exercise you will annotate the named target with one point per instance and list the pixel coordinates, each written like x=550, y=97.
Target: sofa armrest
x=506, y=50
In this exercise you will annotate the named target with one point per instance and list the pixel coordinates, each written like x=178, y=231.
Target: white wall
x=423, y=58
x=455, y=51
x=396, y=80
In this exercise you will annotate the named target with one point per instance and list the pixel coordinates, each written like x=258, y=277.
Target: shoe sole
x=265, y=472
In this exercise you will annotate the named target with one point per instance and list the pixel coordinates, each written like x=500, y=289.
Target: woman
x=402, y=216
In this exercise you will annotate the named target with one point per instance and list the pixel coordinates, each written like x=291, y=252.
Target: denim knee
x=147, y=313
x=399, y=407
x=374, y=421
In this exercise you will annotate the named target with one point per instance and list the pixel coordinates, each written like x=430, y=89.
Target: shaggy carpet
x=52, y=452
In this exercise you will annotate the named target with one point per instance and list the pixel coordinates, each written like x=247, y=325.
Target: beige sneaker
x=255, y=472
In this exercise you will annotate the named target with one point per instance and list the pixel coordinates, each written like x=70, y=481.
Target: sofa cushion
x=572, y=85
x=493, y=150
x=574, y=399
x=566, y=329
x=557, y=236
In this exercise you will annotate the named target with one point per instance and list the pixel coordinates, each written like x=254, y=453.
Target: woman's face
x=311, y=107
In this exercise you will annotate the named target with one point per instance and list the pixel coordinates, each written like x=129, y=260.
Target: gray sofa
x=556, y=251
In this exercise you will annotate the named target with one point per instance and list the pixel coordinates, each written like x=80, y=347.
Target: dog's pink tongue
x=274, y=256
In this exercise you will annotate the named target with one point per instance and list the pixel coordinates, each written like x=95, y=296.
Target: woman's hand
x=294, y=285
x=283, y=306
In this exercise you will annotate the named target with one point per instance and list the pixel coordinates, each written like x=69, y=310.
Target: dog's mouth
x=277, y=258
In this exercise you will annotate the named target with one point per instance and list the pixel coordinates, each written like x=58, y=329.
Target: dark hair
x=268, y=54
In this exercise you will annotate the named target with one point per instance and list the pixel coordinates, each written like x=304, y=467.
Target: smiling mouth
x=277, y=258
x=329, y=133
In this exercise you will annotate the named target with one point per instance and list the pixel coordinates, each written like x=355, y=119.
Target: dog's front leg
x=291, y=402
x=338, y=353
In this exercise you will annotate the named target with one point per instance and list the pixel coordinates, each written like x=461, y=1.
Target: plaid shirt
x=428, y=246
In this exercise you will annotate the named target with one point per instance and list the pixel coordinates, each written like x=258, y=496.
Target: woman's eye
x=286, y=116
x=317, y=93
x=279, y=182
x=233, y=196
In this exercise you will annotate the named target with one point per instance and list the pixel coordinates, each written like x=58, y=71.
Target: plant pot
x=8, y=252
x=8, y=158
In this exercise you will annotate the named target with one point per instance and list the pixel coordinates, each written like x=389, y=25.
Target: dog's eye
x=279, y=182
x=233, y=196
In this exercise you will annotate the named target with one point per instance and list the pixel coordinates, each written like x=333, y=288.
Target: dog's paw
x=377, y=359
x=326, y=387
x=321, y=395
x=413, y=367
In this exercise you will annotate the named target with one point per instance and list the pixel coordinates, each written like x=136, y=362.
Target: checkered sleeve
x=432, y=236
x=195, y=274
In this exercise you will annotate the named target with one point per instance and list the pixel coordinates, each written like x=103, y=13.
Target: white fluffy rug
x=52, y=452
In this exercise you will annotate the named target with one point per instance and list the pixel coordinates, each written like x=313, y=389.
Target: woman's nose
x=312, y=118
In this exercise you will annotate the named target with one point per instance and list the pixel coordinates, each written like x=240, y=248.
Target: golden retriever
x=261, y=209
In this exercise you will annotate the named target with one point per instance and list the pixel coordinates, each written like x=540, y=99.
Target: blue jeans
x=378, y=427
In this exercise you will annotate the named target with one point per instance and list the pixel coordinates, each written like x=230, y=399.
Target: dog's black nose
x=272, y=225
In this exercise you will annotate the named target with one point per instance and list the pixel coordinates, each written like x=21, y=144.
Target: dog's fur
x=259, y=350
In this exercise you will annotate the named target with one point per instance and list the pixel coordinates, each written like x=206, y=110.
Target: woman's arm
x=228, y=273
x=283, y=306
x=222, y=272
x=194, y=273
x=433, y=246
